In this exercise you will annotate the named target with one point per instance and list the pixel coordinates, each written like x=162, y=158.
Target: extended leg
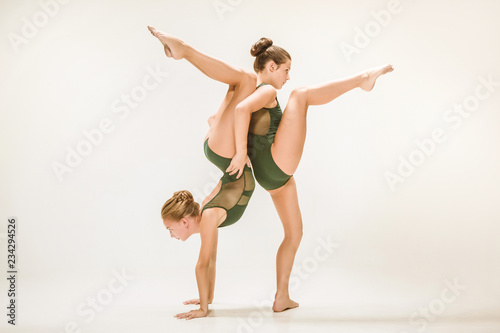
x=291, y=135
x=214, y=68
x=287, y=205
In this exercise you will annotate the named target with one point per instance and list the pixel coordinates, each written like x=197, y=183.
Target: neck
x=196, y=224
x=263, y=77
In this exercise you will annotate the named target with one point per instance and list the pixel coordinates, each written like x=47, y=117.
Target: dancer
x=181, y=215
x=274, y=141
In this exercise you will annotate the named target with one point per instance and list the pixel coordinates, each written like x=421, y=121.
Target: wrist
x=241, y=152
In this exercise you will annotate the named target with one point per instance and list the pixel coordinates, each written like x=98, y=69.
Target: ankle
x=362, y=78
x=280, y=295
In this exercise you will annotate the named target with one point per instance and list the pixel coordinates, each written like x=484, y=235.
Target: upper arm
x=209, y=235
x=258, y=99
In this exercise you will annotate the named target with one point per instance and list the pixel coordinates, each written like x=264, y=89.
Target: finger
x=239, y=174
x=229, y=168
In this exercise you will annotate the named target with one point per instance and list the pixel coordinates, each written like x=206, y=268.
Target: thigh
x=291, y=135
x=286, y=201
x=222, y=134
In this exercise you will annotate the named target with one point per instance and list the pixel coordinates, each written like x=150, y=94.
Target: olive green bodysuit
x=234, y=194
x=263, y=127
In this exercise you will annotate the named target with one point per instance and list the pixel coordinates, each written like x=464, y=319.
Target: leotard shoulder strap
x=260, y=85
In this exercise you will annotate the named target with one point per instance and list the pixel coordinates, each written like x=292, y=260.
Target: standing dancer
x=274, y=141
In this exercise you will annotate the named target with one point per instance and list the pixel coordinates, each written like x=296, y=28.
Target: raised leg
x=287, y=205
x=214, y=68
x=222, y=131
x=291, y=135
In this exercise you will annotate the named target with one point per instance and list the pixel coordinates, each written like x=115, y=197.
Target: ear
x=185, y=222
x=271, y=65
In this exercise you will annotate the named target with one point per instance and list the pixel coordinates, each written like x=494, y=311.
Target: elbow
x=202, y=265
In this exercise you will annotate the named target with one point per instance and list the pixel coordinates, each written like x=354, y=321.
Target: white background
x=396, y=248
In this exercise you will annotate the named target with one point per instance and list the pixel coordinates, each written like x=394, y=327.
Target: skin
x=232, y=121
x=220, y=136
x=287, y=151
x=206, y=226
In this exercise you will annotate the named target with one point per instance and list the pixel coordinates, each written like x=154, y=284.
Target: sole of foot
x=370, y=76
x=174, y=47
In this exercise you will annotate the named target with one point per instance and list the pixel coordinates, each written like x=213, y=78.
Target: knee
x=294, y=238
x=300, y=94
x=248, y=77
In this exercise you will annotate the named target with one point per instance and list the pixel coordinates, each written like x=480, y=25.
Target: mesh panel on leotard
x=234, y=194
x=263, y=127
x=233, y=191
x=260, y=122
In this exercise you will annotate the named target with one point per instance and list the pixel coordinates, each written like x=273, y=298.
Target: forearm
x=241, y=124
x=202, y=278
x=211, y=282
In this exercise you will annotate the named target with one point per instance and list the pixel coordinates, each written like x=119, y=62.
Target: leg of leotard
x=287, y=205
x=291, y=135
x=214, y=68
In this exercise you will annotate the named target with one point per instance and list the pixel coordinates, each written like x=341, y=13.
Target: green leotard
x=263, y=127
x=234, y=194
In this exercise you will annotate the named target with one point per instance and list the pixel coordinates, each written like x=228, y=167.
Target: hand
x=238, y=165
x=195, y=301
x=192, y=314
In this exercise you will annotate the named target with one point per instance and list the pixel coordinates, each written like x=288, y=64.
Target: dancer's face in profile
x=281, y=74
x=178, y=229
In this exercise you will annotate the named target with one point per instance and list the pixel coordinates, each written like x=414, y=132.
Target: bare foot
x=371, y=75
x=284, y=303
x=174, y=47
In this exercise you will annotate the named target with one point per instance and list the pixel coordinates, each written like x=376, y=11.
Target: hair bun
x=183, y=196
x=261, y=46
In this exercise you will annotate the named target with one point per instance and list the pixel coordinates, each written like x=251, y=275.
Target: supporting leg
x=287, y=205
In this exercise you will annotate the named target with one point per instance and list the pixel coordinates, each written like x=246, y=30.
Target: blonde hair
x=180, y=205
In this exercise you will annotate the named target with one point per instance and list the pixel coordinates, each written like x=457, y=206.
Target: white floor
x=60, y=304
x=239, y=319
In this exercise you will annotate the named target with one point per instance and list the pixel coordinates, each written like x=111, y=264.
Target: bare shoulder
x=212, y=217
x=269, y=93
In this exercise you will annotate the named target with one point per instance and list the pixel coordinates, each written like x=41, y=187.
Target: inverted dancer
x=275, y=145
x=225, y=205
